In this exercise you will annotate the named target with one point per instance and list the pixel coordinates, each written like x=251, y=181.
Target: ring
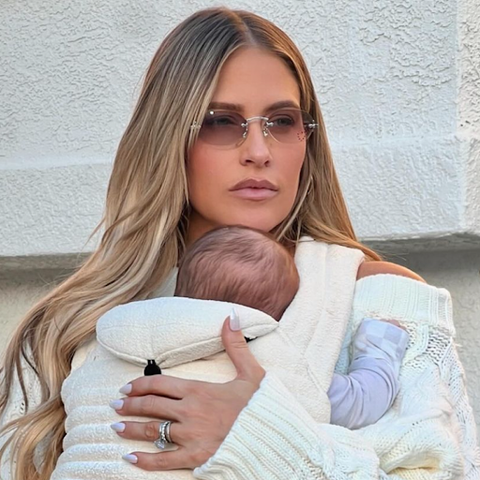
x=164, y=438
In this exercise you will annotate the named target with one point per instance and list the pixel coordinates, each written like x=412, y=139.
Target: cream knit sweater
x=428, y=434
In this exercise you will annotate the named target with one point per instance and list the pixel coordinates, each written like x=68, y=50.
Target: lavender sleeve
x=363, y=396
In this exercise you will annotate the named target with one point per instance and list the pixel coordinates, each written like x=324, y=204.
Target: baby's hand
x=394, y=322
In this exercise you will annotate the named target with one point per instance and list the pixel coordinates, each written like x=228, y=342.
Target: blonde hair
x=146, y=215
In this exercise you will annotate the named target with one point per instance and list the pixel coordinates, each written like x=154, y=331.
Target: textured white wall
x=399, y=86
x=18, y=292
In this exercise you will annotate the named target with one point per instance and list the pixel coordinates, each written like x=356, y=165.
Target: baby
x=248, y=267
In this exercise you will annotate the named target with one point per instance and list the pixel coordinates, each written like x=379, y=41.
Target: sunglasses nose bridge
x=264, y=125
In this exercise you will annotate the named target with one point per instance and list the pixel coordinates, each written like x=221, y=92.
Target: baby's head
x=239, y=265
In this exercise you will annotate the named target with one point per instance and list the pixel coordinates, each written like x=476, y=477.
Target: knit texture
x=16, y=408
x=429, y=433
x=275, y=438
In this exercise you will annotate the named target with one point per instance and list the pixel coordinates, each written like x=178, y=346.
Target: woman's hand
x=201, y=413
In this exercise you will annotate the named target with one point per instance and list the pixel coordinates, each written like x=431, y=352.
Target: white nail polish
x=116, y=404
x=126, y=389
x=234, y=320
x=118, y=427
x=130, y=458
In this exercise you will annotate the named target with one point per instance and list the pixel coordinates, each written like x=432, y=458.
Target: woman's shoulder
x=387, y=290
x=369, y=268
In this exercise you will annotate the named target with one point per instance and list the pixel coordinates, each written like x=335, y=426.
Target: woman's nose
x=256, y=147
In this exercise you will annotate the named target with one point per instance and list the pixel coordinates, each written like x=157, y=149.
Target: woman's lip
x=254, y=183
x=254, y=193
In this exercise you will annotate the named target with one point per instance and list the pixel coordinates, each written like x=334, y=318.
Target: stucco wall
x=18, y=292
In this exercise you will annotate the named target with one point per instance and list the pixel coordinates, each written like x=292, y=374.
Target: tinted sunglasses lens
x=290, y=125
x=222, y=128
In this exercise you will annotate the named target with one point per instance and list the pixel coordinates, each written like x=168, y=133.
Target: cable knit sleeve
x=16, y=408
x=428, y=434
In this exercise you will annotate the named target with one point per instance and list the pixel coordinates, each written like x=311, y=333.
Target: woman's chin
x=262, y=224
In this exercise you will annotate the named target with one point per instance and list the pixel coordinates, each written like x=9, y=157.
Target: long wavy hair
x=146, y=218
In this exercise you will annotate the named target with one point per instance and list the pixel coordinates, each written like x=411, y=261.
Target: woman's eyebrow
x=282, y=104
x=235, y=107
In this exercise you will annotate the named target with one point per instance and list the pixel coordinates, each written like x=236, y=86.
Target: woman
x=178, y=173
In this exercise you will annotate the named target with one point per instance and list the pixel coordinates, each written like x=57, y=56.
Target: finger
x=395, y=323
x=147, y=431
x=155, y=462
x=148, y=406
x=237, y=349
x=164, y=385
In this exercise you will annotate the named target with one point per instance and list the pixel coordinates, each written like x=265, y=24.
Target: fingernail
x=126, y=389
x=118, y=427
x=234, y=320
x=130, y=458
x=116, y=404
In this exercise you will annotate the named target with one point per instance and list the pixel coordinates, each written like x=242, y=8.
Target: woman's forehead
x=254, y=78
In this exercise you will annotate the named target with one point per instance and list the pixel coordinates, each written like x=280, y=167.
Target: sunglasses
x=230, y=129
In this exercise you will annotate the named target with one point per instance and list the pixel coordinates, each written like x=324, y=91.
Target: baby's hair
x=239, y=265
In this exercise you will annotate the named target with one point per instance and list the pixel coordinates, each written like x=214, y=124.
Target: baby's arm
x=368, y=391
